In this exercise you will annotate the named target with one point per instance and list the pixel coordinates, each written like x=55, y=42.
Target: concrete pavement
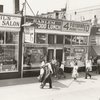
x=66, y=89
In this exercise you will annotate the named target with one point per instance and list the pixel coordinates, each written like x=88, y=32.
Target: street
x=65, y=89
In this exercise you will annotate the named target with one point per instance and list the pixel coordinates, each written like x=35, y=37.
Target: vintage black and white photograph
x=49, y=49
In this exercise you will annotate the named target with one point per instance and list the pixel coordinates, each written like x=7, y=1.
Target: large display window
x=33, y=56
x=9, y=51
x=75, y=53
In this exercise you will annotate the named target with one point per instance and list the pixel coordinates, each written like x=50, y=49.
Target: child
x=75, y=71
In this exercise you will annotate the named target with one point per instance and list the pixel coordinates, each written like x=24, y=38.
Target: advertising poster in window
x=34, y=55
x=77, y=53
x=29, y=34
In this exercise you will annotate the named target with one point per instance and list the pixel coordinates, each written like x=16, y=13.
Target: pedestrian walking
x=42, y=71
x=61, y=71
x=75, y=71
x=88, y=68
x=47, y=75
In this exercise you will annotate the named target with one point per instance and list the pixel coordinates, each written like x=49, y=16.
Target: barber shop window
x=50, y=39
x=41, y=38
x=59, y=39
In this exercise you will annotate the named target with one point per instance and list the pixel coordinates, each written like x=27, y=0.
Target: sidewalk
x=64, y=89
x=29, y=80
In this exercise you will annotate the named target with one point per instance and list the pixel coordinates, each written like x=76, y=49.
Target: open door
x=59, y=55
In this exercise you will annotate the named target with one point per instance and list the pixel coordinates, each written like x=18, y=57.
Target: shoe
x=90, y=77
x=41, y=86
x=50, y=87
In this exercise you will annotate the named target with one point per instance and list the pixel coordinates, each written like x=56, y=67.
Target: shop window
x=11, y=38
x=50, y=39
x=67, y=39
x=75, y=40
x=1, y=37
x=41, y=38
x=59, y=39
x=83, y=40
x=79, y=40
x=34, y=56
x=8, y=58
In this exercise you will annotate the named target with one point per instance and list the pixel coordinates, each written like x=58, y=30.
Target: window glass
x=59, y=39
x=34, y=56
x=75, y=40
x=9, y=51
x=8, y=58
x=12, y=38
x=1, y=8
x=41, y=38
x=67, y=39
x=50, y=39
x=79, y=40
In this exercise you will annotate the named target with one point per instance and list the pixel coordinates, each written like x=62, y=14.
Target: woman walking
x=88, y=68
x=75, y=71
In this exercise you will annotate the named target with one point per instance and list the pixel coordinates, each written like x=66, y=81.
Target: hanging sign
x=29, y=34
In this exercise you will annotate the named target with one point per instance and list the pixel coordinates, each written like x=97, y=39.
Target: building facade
x=9, y=46
x=12, y=4
x=54, y=39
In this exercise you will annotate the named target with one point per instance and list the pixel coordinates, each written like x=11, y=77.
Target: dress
x=88, y=68
x=75, y=71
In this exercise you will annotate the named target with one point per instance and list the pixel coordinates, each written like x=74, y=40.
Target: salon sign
x=10, y=21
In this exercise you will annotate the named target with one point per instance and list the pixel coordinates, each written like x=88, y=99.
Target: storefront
x=9, y=46
x=56, y=39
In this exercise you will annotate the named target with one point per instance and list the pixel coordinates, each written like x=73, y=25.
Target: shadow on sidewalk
x=31, y=80
x=18, y=81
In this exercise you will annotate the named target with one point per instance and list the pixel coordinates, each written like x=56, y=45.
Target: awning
x=97, y=50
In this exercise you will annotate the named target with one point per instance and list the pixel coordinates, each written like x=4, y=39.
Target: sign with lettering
x=29, y=34
x=10, y=21
x=44, y=23
x=75, y=26
x=79, y=50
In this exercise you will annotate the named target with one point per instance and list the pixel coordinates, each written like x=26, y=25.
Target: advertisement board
x=44, y=23
x=75, y=26
x=29, y=34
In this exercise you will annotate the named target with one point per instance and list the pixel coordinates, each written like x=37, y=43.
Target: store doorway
x=59, y=55
x=50, y=55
